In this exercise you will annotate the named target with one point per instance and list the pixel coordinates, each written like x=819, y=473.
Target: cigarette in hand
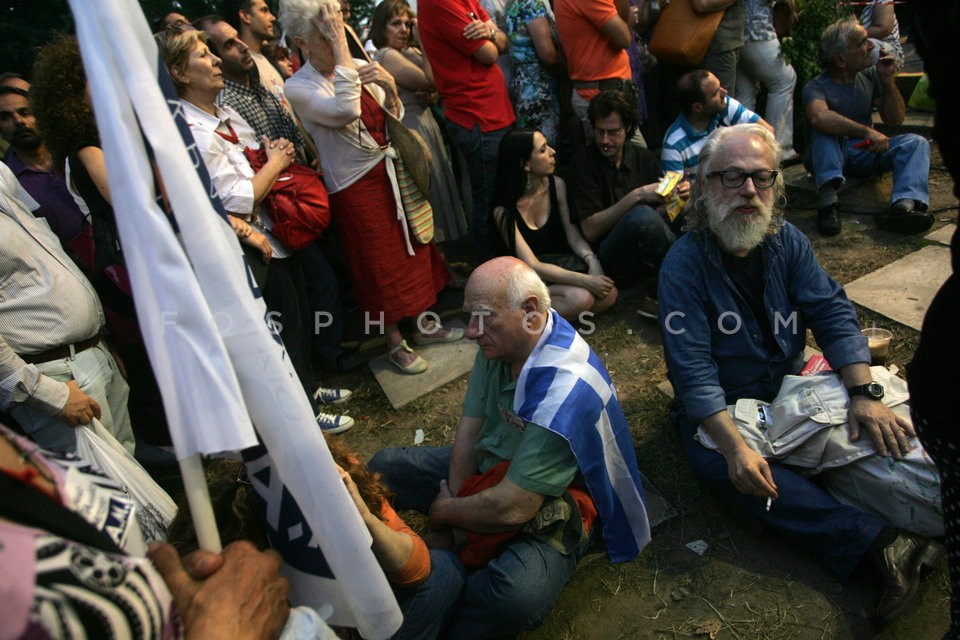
x=769, y=503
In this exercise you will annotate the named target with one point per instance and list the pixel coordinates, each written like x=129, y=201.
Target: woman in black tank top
x=533, y=223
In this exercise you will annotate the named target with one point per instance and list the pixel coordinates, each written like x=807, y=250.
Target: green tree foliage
x=360, y=12
x=25, y=25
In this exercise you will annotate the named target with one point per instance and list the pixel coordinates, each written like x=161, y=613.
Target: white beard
x=735, y=232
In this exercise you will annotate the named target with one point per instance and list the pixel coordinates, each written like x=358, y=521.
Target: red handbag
x=298, y=203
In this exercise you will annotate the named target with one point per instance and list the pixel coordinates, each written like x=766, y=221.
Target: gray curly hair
x=696, y=210
x=295, y=15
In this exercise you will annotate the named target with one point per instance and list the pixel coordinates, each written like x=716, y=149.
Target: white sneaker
x=334, y=424
x=327, y=395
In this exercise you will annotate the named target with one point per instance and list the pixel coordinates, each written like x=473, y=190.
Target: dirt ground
x=747, y=584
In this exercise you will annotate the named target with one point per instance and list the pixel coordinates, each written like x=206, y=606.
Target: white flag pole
x=198, y=497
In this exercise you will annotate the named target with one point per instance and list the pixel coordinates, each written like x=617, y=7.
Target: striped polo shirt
x=682, y=144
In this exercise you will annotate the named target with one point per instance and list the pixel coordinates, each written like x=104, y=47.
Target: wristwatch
x=872, y=390
x=493, y=35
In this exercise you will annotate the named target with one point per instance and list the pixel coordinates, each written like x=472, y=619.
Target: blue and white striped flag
x=206, y=328
x=564, y=387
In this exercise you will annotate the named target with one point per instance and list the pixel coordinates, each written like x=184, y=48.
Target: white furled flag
x=564, y=387
x=205, y=325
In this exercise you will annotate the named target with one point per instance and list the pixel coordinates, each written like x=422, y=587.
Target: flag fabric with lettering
x=219, y=366
x=564, y=387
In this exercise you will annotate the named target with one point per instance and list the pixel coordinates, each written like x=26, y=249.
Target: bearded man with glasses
x=737, y=293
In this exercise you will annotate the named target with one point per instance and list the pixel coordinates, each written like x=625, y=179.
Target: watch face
x=872, y=390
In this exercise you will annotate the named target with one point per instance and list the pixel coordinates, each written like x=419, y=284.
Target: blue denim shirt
x=712, y=341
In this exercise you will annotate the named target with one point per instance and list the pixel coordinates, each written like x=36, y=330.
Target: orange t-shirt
x=417, y=568
x=590, y=56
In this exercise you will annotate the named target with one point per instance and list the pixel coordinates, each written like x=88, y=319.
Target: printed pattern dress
x=533, y=88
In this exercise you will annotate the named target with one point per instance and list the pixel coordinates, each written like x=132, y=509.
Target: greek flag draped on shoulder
x=564, y=387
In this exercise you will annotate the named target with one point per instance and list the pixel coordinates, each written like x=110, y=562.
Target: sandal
x=418, y=365
x=438, y=335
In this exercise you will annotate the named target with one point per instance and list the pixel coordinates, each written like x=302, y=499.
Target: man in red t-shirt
x=463, y=44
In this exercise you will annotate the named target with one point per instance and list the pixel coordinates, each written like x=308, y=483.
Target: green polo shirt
x=540, y=460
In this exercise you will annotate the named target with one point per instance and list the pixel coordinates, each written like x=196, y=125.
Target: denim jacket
x=712, y=341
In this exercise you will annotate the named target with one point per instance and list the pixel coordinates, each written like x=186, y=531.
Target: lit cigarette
x=769, y=503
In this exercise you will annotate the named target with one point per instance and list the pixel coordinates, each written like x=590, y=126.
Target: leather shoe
x=898, y=566
x=828, y=220
x=899, y=221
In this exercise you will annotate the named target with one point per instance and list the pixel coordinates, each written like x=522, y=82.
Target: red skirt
x=386, y=279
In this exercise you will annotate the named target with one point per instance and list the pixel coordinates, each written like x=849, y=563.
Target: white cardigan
x=330, y=111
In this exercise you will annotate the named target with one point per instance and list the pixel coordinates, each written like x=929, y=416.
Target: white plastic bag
x=155, y=507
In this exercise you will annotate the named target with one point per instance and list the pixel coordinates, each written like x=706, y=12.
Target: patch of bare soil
x=748, y=584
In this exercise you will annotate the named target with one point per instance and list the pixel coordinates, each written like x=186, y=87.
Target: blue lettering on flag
x=287, y=528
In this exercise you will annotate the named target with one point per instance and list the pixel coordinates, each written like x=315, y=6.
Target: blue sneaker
x=324, y=395
x=332, y=424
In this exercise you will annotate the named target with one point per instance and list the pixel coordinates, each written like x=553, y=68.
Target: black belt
x=58, y=353
x=606, y=83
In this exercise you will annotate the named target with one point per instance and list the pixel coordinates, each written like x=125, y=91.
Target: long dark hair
x=515, y=149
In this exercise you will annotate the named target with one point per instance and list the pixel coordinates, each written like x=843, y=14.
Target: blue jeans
x=428, y=607
x=635, y=246
x=516, y=590
x=908, y=157
x=834, y=534
x=480, y=150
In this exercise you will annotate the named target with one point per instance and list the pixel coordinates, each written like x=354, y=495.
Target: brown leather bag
x=682, y=36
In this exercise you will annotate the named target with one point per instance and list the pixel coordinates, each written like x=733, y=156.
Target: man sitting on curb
x=737, y=292
x=838, y=104
x=542, y=449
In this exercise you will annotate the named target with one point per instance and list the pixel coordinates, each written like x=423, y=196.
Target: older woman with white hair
x=343, y=104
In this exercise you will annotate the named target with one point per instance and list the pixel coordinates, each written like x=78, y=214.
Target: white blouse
x=230, y=172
